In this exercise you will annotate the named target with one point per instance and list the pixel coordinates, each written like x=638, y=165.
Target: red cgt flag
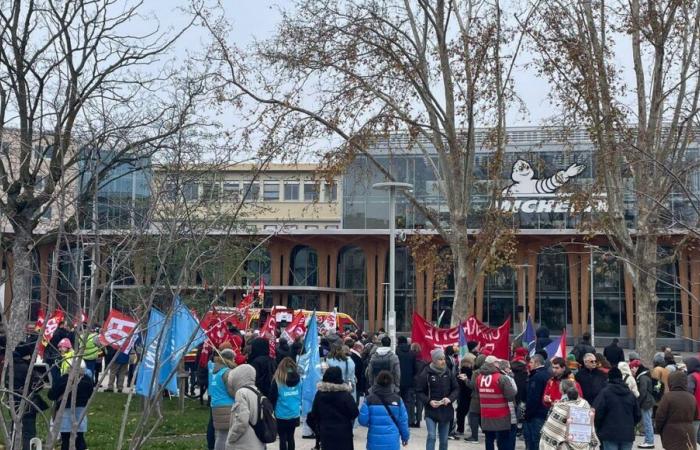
x=247, y=301
x=118, y=331
x=297, y=327
x=493, y=341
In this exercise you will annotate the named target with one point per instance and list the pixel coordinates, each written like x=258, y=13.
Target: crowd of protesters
x=460, y=393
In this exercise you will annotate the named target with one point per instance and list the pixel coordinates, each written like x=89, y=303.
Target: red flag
x=261, y=291
x=297, y=327
x=51, y=326
x=40, y=319
x=268, y=331
x=495, y=341
x=246, y=302
x=118, y=331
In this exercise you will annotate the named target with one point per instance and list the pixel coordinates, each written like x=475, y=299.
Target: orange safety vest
x=492, y=401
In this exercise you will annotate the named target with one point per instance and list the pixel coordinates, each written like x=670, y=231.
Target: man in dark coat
x=616, y=412
x=535, y=411
x=21, y=358
x=356, y=356
x=407, y=366
x=437, y=388
x=613, y=353
x=591, y=379
x=582, y=348
x=263, y=364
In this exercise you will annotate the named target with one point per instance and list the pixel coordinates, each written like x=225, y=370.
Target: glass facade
x=303, y=272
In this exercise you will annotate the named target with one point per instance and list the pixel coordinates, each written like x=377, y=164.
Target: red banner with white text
x=492, y=341
x=118, y=331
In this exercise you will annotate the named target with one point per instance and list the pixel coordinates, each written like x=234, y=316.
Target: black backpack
x=379, y=364
x=266, y=426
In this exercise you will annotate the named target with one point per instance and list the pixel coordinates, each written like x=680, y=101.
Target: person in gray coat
x=384, y=359
x=244, y=414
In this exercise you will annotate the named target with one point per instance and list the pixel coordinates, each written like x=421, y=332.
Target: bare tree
x=352, y=73
x=641, y=134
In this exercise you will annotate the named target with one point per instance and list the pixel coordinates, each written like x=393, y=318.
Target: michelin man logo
x=530, y=195
x=525, y=185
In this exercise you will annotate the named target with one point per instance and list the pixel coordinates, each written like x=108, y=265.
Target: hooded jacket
x=244, y=413
x=263, y=364
x=332, y=416
x=675, y=415
x=628, y=378
x=286, y=398
x=434, y=384
x=616, y=413
x=507, y=387
x=384, y=359
x=645, y=385
x=383, y=433
x=536, y=384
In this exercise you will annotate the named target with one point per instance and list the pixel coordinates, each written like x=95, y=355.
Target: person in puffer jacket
x=221, y=395
x=244, y=414
x=285, y=395
x=385, y=431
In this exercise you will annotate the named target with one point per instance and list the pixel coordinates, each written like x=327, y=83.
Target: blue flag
x=529, y=337
x=145, y=377
x=181, y=327
x=463, y=348
x=310, y=362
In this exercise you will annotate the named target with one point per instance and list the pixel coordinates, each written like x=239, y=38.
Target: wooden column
x=685, y=302
x=695, y=296
x=333, y=273
x=574, y=271
x=429, y=286
x=322, y=276
x=585, y=290
x=629, y=304
x=420, y=292
x=480, y=297
x=532, y=284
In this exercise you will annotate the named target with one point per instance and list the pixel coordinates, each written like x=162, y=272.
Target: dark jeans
x=462, y=411
x=610, y=445
x=79, y=441
x=531, y=433
x=408, y=395
x=285, y=430
x=474, y=422
x=211, y=437
x=505, y=439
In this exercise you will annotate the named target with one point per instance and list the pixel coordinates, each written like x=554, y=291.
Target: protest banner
x=118, y=331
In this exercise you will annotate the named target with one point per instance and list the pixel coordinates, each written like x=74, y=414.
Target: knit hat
x=228, y=353
x=437, y=354
x=333, y=375
x=614, y=374
x=633, y=356
x=571, y=357
x=469, y=358
x=521, y=352
x=635, y=363
x=65, y=343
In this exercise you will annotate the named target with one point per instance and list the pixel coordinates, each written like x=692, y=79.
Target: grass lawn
x=186, y=430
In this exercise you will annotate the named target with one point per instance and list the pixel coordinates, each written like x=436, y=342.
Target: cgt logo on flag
x=118, y=331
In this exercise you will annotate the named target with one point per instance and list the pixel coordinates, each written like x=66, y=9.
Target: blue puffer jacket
x=383, y=433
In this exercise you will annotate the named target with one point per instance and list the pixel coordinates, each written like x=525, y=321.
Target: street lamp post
x=392, y=187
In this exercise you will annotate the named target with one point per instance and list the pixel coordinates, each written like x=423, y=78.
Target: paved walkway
x=417, y=441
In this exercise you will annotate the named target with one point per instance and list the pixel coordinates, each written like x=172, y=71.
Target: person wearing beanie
x=333, y=412
x=616, y=412
x=645, y=387
x=65, y=349
x=221, y=394
x=496, y=392
x=437, y=389
x=384, y=358
x=571, y=363
x=633, y=356
x=676, y=413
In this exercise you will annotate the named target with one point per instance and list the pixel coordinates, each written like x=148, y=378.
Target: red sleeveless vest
x=491, y=399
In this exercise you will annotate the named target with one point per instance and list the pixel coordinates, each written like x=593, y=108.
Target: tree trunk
x=464, y=285
x=644, y=281
x=21, y=287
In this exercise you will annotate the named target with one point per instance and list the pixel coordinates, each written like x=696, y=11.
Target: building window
x=190, y=190
x=231, y=191
x=291, y=191
x=251, y=191
x=210, y=191
x=312, y=227
x=271, y=192
x=310, y=192
x=331, y=193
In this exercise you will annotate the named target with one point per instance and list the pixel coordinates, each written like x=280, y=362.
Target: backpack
x=266, y=426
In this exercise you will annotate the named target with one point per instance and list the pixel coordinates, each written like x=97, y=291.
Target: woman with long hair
x=555, y=430
x=285, y=395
